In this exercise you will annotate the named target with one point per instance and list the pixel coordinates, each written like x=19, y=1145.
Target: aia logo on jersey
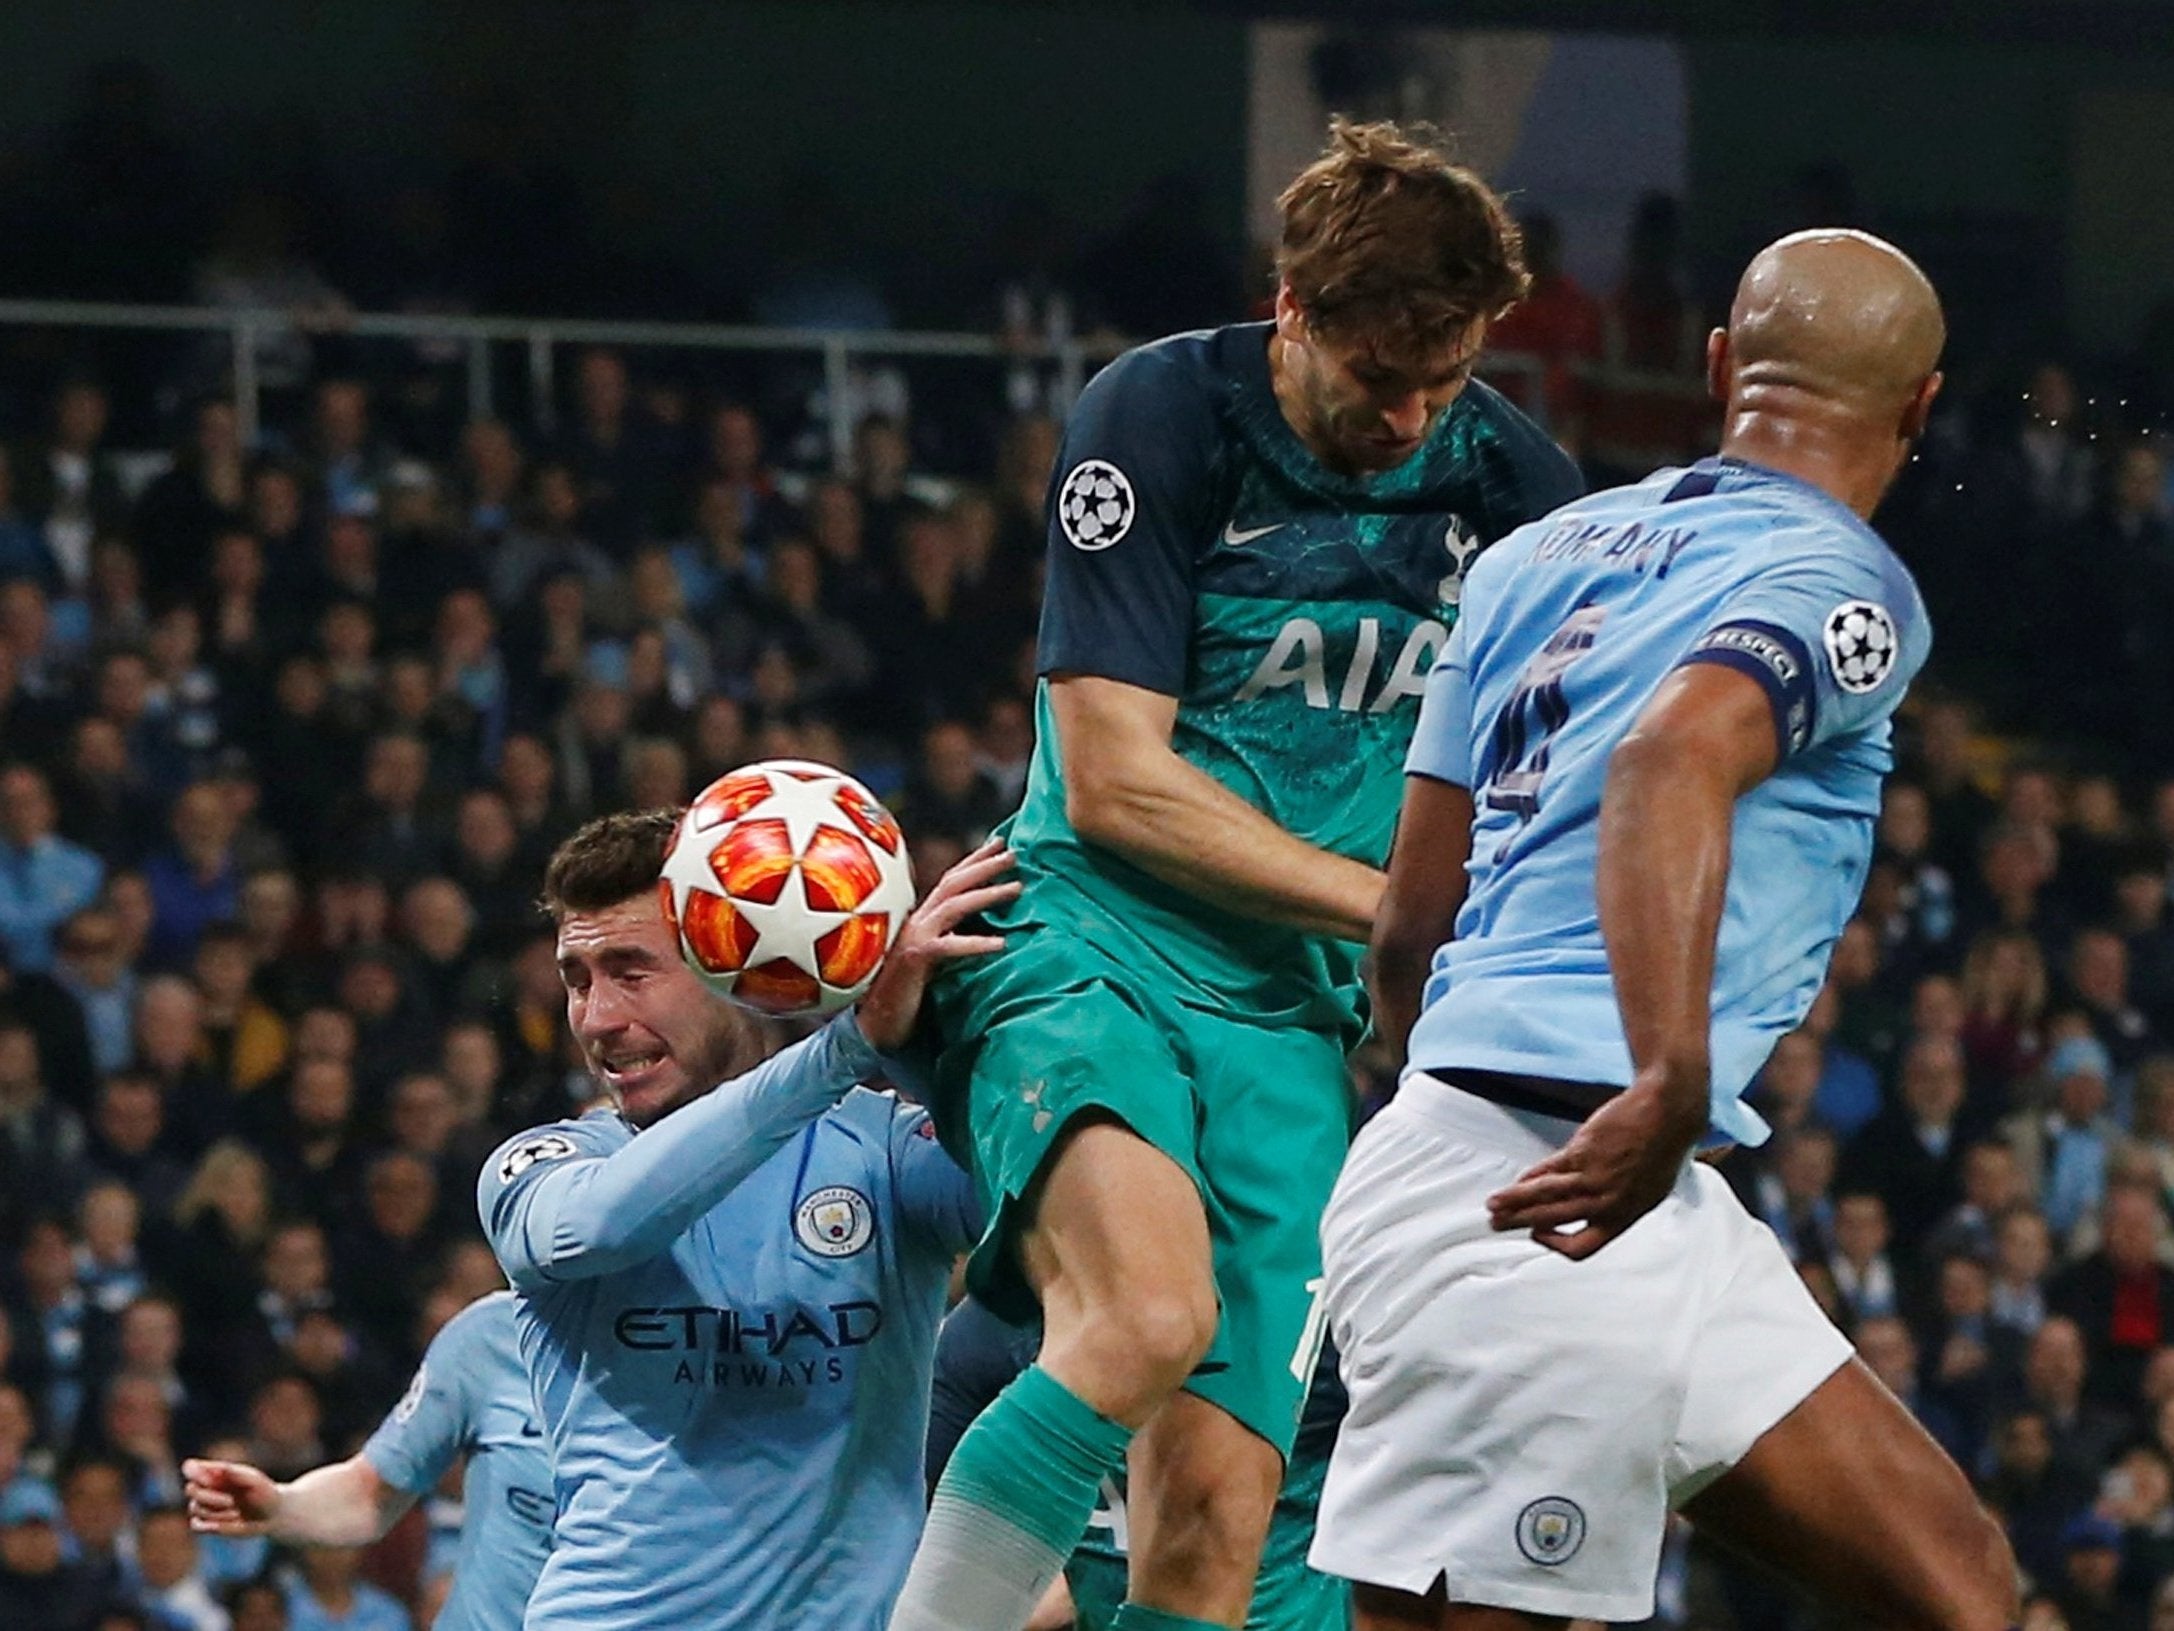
x=1095, y=506
x=835, y=1222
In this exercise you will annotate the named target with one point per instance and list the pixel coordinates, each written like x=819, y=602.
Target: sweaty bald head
x=1838, y=315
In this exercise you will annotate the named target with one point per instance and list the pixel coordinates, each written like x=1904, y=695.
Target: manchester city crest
x=834, y=1222
x=1551, y=1530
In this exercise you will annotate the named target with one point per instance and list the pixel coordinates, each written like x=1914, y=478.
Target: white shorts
x=1520, y=1423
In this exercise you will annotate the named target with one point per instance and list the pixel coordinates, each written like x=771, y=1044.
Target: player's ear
x=1717, y=365
x=1290, y=318
x=1919, y=410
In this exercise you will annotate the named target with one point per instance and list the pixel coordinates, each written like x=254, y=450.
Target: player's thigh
x=1200, y=1491
x=1115, y=1233
x=1052, y=1047
x=1275, y=1118
x=1511, y=1411
x=1850, y=1496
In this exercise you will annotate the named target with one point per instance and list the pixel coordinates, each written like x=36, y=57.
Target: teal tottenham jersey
x=1196, y=548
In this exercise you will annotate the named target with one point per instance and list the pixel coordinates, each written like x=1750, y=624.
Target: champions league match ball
x=785, y=884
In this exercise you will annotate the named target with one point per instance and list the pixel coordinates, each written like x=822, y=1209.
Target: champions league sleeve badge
x=550, y=1147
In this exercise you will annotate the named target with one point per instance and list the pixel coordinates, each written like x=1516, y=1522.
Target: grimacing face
x=1357, y=408
x=653, y=1035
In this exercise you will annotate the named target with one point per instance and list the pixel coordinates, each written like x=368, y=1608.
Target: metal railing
x=541, y=339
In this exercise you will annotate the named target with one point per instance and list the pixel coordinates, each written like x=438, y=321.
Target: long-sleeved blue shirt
x=471, y=1397
x=729, y=1321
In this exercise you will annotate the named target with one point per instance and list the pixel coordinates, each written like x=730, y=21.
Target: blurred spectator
x=2021, y=1258
x=225, y=1217
x=171, y=1050
x=181, y=512
x=2098, y=980
x=108, y=1266
x=127, y=1143
x=328, y=1593
x=349, y=466
x=286, y=1426
x=23, y=551
x=94, y=1499
x=38, y=1585
x=106, y=804
x=2004, y=1002
x=549, y=542
x=1792, y=1193
x=1992, y=1182
x=196, y=882
x=1911, y=1153
x=2084, y=1433
x=2121, y=1296
x=614, y=453
x=66, y=483
x=948, y=791
x=1863, y=1274
x=2090, y=1575
x=1556, y=326
x=245, y=1038
x=2066, y=1148
x=735, y=459
x=172, y=1581
x=43, y=877
x=41, y=1140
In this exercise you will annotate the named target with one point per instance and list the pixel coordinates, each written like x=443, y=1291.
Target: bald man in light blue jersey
x=1638, y=811
x=470, y=1397
x=728, y=1294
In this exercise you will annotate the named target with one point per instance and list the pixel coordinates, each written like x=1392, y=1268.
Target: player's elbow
x=1650, y=757
x=1101, y=805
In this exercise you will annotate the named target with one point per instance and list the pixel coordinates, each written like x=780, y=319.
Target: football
x=785, y=884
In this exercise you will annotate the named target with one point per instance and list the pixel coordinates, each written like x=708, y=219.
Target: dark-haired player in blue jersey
x=470, y=1397
x=1639, y=811
x=728, y=1285
x=1257, y=537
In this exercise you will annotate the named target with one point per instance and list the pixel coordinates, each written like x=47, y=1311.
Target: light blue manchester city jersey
x=732, y=1360
x=471, y=1397
x=1569, y=626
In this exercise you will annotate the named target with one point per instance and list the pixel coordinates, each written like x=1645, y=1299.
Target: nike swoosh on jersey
x=1233, y=536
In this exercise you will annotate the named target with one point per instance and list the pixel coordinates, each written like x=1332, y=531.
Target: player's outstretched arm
x=1127, y=790
x=1707, y=737
x=344, y=1504
x=561, y=1215
x=1427, y=883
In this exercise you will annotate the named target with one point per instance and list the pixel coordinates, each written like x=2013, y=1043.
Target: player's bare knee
x=1154, y=1337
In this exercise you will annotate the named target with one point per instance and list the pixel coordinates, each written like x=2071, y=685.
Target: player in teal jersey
x=1257, y=540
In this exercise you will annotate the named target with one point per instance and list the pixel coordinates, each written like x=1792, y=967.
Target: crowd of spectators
x=287, y=732
x=288, y=736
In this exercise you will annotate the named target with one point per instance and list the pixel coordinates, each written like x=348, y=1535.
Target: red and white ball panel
x=786, y=883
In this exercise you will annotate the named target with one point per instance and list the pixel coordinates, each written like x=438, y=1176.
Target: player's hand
x=1618, y=1167
x=931, y=937
x=229, y=1498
